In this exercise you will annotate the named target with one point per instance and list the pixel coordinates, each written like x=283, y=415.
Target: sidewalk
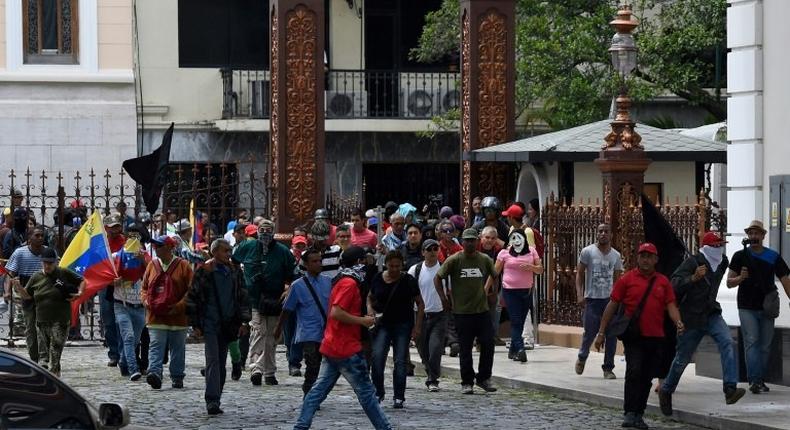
x=698, y=400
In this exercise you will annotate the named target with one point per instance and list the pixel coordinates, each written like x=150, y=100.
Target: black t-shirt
x=763, y=267
x=401, y=306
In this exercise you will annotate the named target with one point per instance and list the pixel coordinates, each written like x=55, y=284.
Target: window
x=50, y=31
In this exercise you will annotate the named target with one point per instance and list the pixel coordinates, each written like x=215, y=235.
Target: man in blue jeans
x=598, y=269
x=752, y=270
x=696, y=284
x=342, y=346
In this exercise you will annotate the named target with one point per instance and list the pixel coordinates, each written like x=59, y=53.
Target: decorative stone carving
x=466, y=89
x=275, y=123
x=492, y=82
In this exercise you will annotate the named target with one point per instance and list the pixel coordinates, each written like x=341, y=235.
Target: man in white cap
x=184, y=230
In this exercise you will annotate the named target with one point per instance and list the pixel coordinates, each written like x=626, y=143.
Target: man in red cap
x=645, y=295
x=696, y=284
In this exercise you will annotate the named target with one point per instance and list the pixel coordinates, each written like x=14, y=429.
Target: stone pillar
x=488, y=76
x=297, y=111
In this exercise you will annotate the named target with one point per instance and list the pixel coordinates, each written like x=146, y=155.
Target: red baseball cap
x=647, y=247
x=515, y=211
x=251, y=230
x=712, y=238
x=299, y=239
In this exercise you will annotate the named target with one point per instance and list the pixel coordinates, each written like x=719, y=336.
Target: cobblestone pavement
x=265, y=407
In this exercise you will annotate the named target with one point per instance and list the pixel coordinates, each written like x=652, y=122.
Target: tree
x=563, y=72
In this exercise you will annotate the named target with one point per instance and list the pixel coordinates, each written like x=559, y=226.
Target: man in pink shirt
x=360, y=235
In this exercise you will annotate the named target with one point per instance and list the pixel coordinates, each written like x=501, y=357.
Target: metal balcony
x=351, y=94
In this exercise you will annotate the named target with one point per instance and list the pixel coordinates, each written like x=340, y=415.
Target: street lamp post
x=622, y=159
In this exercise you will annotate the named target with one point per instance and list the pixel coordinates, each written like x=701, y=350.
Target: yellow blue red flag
x=89, y=255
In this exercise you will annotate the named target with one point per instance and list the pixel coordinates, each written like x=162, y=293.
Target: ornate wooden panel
x=275, y=123
x=466, y=121
x=492, y=81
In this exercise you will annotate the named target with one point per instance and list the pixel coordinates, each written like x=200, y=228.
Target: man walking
x=218, y=309
x=393, y=240
x=599, y=267
x=307, y=303
x=752, y=270
x=112, y=338
x=411, y=250
x=430, y=342
x=342, y=347
x=696, y=283
x=472, y=277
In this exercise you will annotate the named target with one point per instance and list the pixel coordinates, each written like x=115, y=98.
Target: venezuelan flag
x=129, y=267
x=89, y=255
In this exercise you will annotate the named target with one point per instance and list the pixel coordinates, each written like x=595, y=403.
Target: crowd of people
x=341, y=296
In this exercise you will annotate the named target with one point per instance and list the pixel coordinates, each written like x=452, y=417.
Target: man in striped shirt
x=24, y=263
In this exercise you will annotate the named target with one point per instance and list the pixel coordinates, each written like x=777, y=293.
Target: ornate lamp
x=623, y=52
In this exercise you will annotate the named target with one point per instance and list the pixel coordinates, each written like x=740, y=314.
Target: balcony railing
x=351, y=94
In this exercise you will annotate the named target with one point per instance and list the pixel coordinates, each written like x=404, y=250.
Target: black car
x=31, y=397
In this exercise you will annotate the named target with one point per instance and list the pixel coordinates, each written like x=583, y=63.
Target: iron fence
x=350, y=94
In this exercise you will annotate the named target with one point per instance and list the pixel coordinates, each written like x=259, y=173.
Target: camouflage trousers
x=51, y=340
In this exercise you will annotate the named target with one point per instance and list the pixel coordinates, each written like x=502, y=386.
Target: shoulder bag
x=627, y=327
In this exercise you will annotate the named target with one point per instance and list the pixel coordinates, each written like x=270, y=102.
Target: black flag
x=671, y=250
x=150, y=171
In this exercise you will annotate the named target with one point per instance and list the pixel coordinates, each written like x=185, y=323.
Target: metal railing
x=350, y=94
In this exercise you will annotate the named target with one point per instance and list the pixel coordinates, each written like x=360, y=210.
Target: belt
x=131, y=305
x=433, y=314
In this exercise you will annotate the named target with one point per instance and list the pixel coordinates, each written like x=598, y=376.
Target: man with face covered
x=268, y=267
x=696, y=283
x=18, y=235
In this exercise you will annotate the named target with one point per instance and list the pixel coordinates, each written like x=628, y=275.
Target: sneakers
x=629, y=419
x=608, y=374
x=397, y=404
x=113, y=362
x=755, y=388
x=433, y=387
x=154, y=381
x=640, y=423
x=764, y=388
x=529, y=346
x=135, y=376
x=177, y=383
x=235, y=372
x=455, y=349
x=521, y=356
x=213, y=409
x=665, y=401
x=294, y=371
x=467, y=389
x=579, y=368
x=270, y=380
x=256, y=378
x=511, y=355
x=733, y=394
x=486, y=385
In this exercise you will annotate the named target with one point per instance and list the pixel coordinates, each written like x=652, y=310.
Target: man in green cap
x=472, y=278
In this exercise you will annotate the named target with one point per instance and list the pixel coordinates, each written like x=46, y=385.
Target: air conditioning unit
x=416, y=95
x=448, y=96
x=260, y=99
x=346, y=104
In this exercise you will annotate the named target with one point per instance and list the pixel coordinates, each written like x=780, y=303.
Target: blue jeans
x=293, y=350
x=518, y=302
x=593, y=310
x=687, y=344
x=355, y=370
x=757, y=332
x=398, y=336
x=107, y=314
x=131, y=321
x=175, y=341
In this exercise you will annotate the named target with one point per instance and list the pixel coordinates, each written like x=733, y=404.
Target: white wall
x=677, y=176
x=346, y=49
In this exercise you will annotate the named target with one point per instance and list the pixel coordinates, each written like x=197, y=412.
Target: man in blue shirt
x=304, y=298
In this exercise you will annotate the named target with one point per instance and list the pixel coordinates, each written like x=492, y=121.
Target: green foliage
x=563, y=71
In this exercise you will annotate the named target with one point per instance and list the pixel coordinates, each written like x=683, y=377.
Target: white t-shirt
x=429, y=295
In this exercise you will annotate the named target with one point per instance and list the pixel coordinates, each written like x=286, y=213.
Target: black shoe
x=756, y=388
x=409, y=369
x=665, y=401
x=397, y=404
x=270, y=380
x=177, y=383
x=629, y=419
x=486, y=385
x=511, y=355
x=521, y=356
x=154, y=381
x=213, y=409
x=255, y=378
x=113, y=362
x=235, y=372
x=733, y=394
x=639, y=423
x=203, y=372
x=294, y=371
x=764, y=388
x=455, y=349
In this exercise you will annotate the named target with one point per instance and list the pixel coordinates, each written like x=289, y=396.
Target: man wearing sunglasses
x=696, y=284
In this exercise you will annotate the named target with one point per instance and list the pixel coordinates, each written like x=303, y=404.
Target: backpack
x=161, y=292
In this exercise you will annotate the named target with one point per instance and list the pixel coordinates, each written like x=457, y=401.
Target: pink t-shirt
x=365, y=239
x=513, y=276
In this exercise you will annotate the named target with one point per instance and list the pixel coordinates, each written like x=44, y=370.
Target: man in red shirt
x=642, y=352
x=360, y=235
x=342, y=345
x=447, y=245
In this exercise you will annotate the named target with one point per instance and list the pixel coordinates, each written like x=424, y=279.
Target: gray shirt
x=599, y=276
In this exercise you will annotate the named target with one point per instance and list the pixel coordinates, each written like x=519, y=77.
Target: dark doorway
x=416, y=183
